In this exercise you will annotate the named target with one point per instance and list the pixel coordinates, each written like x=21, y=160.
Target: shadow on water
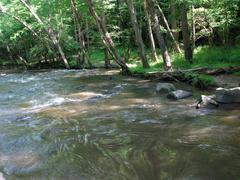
x=99, y=125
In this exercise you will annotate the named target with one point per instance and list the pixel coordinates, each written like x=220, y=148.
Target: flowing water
x=92, y=124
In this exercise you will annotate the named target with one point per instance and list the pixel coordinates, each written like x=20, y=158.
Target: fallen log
x=223, y=70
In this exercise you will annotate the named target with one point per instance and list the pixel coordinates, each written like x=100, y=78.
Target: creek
x=95, y=124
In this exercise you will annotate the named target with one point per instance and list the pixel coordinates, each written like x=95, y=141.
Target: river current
x=95, y=124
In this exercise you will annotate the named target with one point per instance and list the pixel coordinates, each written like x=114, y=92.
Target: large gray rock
x=207, y=102
x=179, y=94
x=165, y=87
x=231, y=95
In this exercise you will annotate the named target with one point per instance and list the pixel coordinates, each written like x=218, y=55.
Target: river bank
x=202, y=78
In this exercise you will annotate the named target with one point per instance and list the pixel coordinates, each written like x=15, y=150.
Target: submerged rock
x=231, y=95
x=165, y=87
x=179, y=94
x=22, y=163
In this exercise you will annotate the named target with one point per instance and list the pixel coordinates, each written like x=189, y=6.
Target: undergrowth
x=204, y=56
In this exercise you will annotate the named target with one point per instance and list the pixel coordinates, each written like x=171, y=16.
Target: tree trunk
x=106, y=53
x=23, y=61
x=185, y=32
x=160, y=38
x=226, y=28
x=176, y=46
x=48, y=30
x=11, y=55
x=174, y=21
x=106, y=38
x=80, y=39
x=106, y=59
x=193, y=28
x=150, y=33
x=79, y=60
x=87, y=35
x=138, y=36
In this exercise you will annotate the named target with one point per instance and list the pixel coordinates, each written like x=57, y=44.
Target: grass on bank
x=204, y=56
x=209, y=57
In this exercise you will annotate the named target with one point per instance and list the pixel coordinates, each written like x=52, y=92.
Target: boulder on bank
x=231, y=95
x=165, y=87
x=179, y=94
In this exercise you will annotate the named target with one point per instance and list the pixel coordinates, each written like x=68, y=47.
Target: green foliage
x=221, y=16
x=204, y=56
x=210, y=57
x=5, y=62
x=137, y=68
x=200, y=80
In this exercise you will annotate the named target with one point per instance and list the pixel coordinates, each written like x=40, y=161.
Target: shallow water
x=92, y=124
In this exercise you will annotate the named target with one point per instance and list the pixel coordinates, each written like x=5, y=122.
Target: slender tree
x=48, y=30
x=77, y=30
x=159, y=35
x=174, y=20
x=138, y=36
x=193, y=27
x=79, y=36
x=106, y=38
x=164, y=19
x=150, y=32
x=185, y=33
x=106, y=53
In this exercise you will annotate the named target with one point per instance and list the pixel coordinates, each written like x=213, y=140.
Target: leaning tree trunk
x=106, y=38
x=23, y=61
x=50, y=33
x=160, y=38
x=150, y=32
x=138, y=36
x=185, y=33
x=176, y=46
x=25, y=24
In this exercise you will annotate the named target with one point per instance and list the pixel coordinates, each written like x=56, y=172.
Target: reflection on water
x=86, y=125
